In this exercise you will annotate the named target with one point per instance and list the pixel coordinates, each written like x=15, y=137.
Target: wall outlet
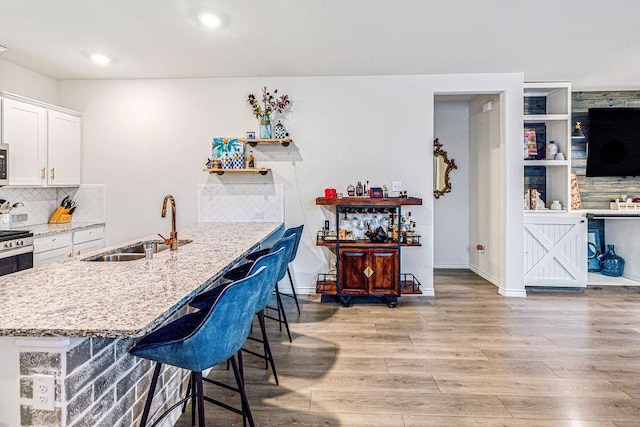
x=44, y=392
x=20, y=217
x=258, y=215
x=396, y=186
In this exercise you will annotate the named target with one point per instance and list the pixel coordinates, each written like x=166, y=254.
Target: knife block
x=60, y=216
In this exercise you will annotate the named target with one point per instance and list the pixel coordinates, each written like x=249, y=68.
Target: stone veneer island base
x=75, y=320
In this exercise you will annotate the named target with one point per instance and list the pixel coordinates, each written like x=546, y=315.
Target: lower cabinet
x=57, y=247
x=555, y=249
x=367, y=271
x=53, y=248
x=87, y=240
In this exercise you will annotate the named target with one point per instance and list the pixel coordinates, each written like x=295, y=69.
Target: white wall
x=451, y=211
x=485, y=220
x=147, y=138
x=22, y=81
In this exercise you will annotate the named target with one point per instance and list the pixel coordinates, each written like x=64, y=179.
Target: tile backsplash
x=241, y=203
x=40, y=202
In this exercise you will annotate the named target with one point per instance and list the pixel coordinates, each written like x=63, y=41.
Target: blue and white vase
x=612, y=264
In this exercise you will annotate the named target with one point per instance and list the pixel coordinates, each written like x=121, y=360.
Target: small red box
x=375, y=192
x=330, y=193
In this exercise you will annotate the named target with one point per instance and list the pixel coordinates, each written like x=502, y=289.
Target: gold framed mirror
x=442, y=165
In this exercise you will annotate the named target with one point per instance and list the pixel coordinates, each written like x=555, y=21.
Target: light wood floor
x=466, y=357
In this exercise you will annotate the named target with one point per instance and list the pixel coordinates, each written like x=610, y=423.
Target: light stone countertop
x=40, y=230
x=76, y=298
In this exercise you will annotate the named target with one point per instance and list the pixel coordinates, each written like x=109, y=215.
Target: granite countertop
x=77, y=298
x=40, y=230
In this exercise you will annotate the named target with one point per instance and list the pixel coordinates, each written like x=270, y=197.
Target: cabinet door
x=64, y=138
x=48, y=257
x=80, y=249
x=351, y=275
x=25, y=130
x=555, y=251
x=384, y=278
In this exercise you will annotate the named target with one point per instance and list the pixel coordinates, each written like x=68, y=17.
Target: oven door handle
x=17, y=251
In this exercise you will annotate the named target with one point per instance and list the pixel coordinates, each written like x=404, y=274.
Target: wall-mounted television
x=613, y=147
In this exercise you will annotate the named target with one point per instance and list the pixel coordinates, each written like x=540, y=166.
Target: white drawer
x=88, y=235
x=48, y=257
x=49, y=243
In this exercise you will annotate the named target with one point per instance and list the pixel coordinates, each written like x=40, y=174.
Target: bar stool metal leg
x=152, y=390
x=293, y=289
x=243, y=395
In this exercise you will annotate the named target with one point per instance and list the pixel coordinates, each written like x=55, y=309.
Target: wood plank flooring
x=466, y=357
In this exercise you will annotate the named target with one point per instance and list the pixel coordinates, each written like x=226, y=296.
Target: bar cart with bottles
x=369, y=236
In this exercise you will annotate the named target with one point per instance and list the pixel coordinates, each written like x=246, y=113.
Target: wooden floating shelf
x=362, y=244
x=253, y=142
x=261, y=171
x=368, y=201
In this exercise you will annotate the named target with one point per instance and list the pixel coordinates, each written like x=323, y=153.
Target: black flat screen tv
x=613, y=147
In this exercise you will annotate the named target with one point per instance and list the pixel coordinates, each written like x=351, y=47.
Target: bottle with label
x=359, y=189
x=251, y=163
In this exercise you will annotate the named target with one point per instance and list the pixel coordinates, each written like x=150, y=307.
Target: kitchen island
x=75, y=320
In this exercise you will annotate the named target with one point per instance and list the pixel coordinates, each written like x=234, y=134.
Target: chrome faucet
x=172, y=241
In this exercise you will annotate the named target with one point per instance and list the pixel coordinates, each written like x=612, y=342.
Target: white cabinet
x=555, y=249
x=24, y=128
x=87, y=240
x=62, y=246
x=548, y=111
x=63, y=154
x=53, y=248
x=44, y=142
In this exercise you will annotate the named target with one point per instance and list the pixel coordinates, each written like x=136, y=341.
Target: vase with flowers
x=263, y=109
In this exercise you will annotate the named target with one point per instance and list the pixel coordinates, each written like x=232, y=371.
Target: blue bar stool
x=274, y=263
x=241, y=271
x=295, y=231
x=200, y=340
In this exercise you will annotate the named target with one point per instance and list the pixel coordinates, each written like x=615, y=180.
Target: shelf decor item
x=229, y=151
x=612, y=264
x=263, y=109
x=279, y=131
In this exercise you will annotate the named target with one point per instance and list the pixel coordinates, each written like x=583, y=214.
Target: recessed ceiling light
x=100, y=58
x=210, y=19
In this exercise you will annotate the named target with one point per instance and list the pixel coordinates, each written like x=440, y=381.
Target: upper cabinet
x=44, y=143
x=63, y=153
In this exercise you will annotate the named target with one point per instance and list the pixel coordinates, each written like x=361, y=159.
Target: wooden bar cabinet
x=365, y=268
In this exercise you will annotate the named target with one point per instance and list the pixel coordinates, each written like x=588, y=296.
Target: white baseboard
x=456, y=266
x=485, y=276
x=520, y=293
x=512, y=293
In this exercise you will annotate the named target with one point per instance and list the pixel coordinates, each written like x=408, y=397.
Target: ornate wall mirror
x=441, y=168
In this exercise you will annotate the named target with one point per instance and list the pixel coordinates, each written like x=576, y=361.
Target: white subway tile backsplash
x=241, y=203
x=40, y=202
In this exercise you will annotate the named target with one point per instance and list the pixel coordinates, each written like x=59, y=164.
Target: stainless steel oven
x=4, y=164
x=16, y=251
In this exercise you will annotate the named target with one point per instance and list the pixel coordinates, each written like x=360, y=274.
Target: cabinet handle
x=42, y=172
x=78, y=253
x=53, y=174
x=70, y=255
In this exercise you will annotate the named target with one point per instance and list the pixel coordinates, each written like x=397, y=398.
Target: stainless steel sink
x=132, y=253
x=116, y=257
x=158, y=246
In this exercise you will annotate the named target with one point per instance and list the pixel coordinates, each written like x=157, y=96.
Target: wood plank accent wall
x=597, y=192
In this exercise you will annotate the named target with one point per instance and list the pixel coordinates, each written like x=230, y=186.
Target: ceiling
x=593, y=43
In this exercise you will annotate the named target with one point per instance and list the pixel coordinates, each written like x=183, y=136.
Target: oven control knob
x=8, y=245
x=20, y=243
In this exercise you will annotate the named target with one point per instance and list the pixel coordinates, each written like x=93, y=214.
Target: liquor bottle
x=251, y=163
x=359, y=189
